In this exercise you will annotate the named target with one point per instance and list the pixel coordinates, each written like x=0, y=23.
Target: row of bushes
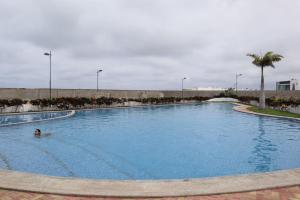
x=163, y=100
x=276, y=102
x=241, y=98
x=13, y=102
x=75, y=102
x=273, y=101
x=80, y=102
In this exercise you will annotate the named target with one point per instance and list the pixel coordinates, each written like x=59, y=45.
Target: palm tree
x=264, y=61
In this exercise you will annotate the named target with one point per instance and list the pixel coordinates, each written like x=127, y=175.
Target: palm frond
x=257, y=59
x=277, y=57
x=268, y=54
x=269, y=58
x=266, y=60
x=255, y=56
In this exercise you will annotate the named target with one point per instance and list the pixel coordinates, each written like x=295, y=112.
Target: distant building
x=288, y=85
x=206, y=89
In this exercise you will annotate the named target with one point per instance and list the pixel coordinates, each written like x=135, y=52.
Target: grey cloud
x=145, y=44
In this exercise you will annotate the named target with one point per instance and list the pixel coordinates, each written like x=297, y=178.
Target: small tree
x=264, y=61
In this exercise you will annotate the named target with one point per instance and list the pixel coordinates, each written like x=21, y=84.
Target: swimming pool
x=154, y=142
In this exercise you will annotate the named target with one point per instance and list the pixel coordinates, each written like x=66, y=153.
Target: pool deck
x=283, y=184
x=289, y=193
x=19, y=181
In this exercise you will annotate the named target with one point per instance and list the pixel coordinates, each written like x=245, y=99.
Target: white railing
x=70, y=114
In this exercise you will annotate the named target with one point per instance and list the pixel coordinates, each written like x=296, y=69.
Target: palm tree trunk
x=262, y=98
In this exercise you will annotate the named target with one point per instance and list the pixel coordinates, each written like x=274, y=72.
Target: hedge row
x=79, y=102
x=241, y=98
x=13, y=102
x=276, y=102
x=273, y=101
x=75, y=102
x=163, y=100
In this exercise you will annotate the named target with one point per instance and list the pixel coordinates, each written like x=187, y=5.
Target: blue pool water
x=155, y=142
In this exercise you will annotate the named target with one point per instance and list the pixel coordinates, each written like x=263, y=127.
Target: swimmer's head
x=37, y=132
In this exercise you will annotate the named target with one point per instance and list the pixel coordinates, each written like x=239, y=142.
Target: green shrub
x=15, y=102
x=247, y=98
x=4, y=102
x=45, y=102
x=85, y=100
x=35, y=102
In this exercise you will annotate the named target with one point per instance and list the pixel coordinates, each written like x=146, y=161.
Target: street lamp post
x=50, y=86
x=236, y=82
x=98, y=71
x=182, y=87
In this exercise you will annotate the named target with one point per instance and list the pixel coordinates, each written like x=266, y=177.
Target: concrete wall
x=278, y=94
x=10, y=93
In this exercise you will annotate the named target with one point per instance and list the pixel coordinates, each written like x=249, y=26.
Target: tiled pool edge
x=20, y=181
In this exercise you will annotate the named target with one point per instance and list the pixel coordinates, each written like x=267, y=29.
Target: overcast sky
x=146, y=44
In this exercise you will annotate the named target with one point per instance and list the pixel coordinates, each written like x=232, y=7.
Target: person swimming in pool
x=38, y=133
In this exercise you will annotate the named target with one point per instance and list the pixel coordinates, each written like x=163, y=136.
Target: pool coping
x=29, y=182
x=20, y=181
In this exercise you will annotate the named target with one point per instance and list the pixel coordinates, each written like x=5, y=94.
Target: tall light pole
x=182, y=86
x=98, y=71
x=50, y=86
x=236, y=82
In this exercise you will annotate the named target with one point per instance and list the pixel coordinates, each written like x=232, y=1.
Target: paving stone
x=289, y=193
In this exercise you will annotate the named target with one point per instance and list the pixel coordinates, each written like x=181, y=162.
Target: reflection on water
x=261, y=157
